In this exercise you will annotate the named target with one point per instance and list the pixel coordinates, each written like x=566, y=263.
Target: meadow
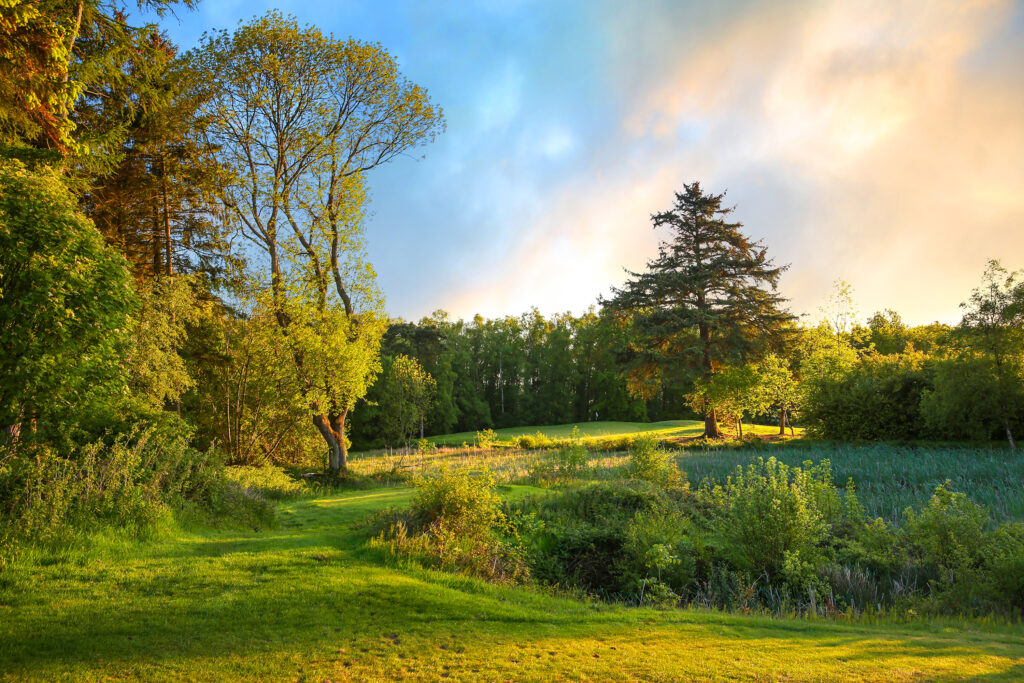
x=308, y=600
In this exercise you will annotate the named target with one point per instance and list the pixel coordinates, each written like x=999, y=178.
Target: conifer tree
x=709, y=299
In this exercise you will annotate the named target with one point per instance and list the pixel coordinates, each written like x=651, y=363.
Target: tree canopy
x=709, y=299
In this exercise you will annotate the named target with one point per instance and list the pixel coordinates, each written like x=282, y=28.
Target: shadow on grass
x=247, y=605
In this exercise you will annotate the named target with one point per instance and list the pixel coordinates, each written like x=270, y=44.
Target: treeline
x=508, y=372
x=876, y=380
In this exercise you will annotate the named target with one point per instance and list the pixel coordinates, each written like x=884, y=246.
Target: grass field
x=597, y=430
x=307, y=601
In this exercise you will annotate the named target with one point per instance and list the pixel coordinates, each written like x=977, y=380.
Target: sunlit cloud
x=878, y=142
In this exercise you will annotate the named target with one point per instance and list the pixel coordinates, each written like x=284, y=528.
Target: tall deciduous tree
x=298, y=118
x=993, y=325
x=707, y=300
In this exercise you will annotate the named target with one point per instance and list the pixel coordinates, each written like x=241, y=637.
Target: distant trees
x=708, y=300
x=298, y=118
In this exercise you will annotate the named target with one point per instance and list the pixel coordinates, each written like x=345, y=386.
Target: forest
x=194, y=345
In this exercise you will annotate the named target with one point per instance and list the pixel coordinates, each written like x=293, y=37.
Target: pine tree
x=709, y=298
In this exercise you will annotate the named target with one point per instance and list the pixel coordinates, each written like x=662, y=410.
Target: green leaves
x=65, y=298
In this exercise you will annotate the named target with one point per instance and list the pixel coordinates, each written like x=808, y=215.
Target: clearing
x=309, y=601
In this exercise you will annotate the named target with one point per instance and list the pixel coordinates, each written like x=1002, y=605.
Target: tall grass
x=888, y=478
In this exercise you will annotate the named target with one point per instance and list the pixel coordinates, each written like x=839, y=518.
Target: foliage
x=649, y=462
x=157, y=371
x=409, y=393
x=126, y=482
x=65, y=298
x=948, y=532
x=708, y=299
x=993, y=325
x=455, y=519
x=770, y=519
x=966, y=402
x=297, y=119
x=877, y=398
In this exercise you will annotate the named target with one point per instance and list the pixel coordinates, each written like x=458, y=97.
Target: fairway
x=308, y=601
x=597, y=430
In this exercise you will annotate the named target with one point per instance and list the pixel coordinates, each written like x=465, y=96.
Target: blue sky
x=877, y=142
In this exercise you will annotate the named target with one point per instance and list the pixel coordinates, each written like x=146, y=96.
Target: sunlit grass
x=308, y=601
x=600, y=430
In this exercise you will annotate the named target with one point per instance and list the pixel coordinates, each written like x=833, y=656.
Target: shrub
x=486, y=439
x=563, y=464
x=462, y=502
x=659, y=548
x=455, y=521
x=878, y=398
x=1004, y=561
x=768, y=520
x=425, y=446
x=649, y=462
x=128, y=482
x=948, y=532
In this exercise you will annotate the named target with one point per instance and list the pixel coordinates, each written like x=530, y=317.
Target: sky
x=881, y=143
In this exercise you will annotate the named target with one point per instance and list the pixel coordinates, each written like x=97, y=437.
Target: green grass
x=666, y=429
x=309, y=601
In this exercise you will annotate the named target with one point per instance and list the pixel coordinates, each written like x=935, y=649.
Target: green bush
x=948, y=533
x=486, y=438
x=129, y=482
x=768, y=520
x=1004, y=561
x=455, y=521
x=879, y=398
x=463, y=503
x=649, y=462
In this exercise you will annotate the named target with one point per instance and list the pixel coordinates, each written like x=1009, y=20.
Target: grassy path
x=307, y=601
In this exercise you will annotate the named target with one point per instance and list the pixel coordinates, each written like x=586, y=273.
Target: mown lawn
x=666, y=429
x=308, y=601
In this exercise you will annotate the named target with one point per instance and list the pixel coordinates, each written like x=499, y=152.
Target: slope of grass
x=308, y=601
x=666, y=429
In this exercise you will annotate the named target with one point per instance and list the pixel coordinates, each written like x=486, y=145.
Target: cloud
x=853, y=137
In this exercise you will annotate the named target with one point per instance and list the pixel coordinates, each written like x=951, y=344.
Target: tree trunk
x=711, y=430
x=332, y=429
x=167, y=222
x=421, y=427
x=739, y=424
x=1009, y=434
x=782, y=421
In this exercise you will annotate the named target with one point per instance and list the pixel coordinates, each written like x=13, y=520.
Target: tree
x=56, y=54
x=707, y=300
x=731, y=392
x=779, y=388
x=298, y=119
x=993, y=325
x=408, y=396
x=65, y=298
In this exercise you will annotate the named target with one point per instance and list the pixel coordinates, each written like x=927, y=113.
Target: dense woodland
x=183, y=286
